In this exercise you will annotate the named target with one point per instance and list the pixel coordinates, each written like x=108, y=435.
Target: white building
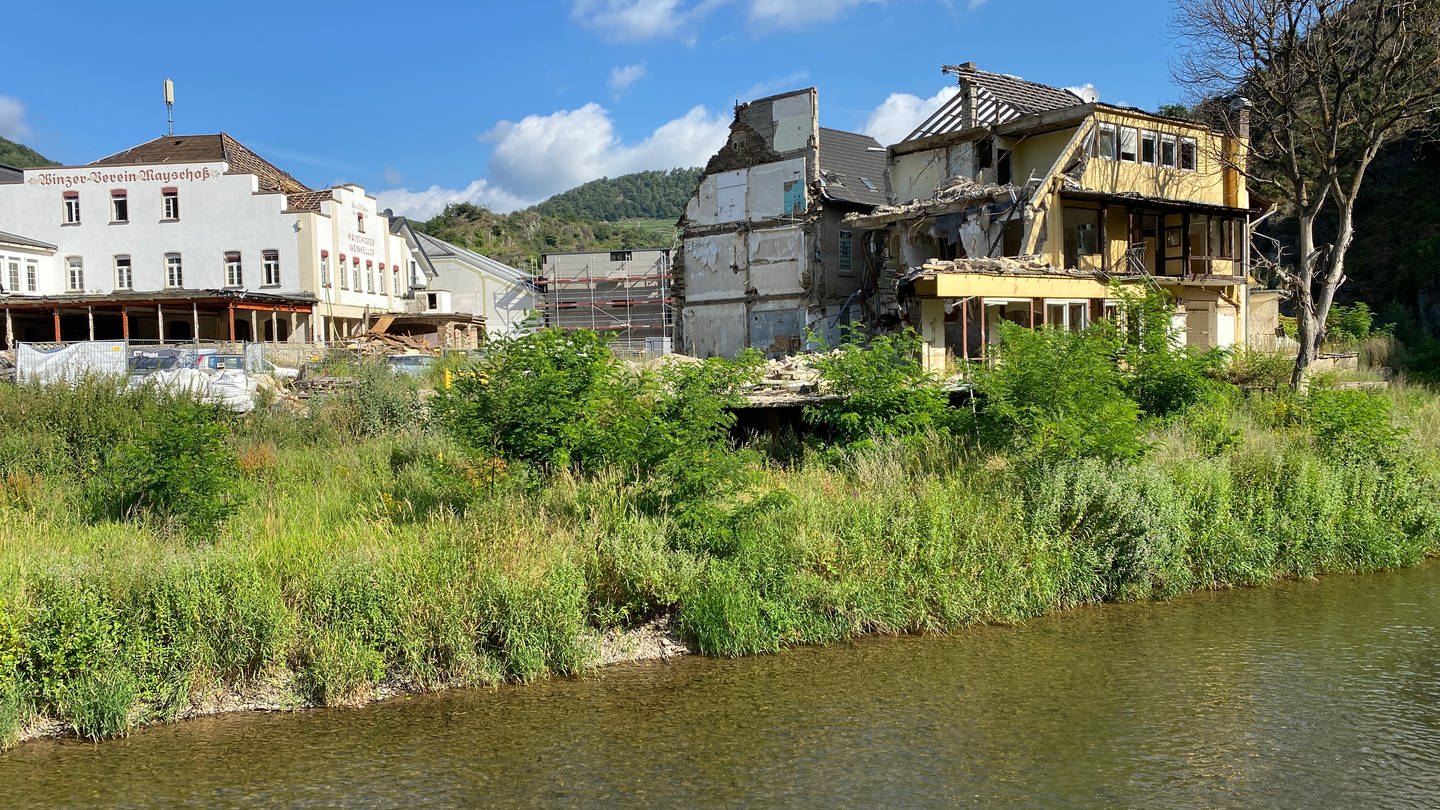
x=194, y=236
x=453, y=279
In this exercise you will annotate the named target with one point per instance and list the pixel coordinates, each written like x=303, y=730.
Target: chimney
x=1240, y=107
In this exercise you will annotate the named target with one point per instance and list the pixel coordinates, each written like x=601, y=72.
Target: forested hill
x=519, y=238
x=21, y=156
x=642, y=195
x=633, y=211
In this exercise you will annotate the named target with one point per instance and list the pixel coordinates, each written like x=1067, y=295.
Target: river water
x=1310, y=694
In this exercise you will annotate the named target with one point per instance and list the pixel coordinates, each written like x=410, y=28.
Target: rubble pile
x=956, y=193
x=377, y=344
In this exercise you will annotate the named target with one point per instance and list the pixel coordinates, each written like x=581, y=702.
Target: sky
x=506, y=103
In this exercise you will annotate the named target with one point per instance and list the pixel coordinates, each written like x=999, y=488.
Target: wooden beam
x=231, y=313
x=56, y=313
x=125, y=322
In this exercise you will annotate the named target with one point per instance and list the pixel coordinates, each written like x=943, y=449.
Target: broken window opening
x=1147, y=148
x=1167, y=151
x=1188, y=150
x=1127, y=144
x=1003, y=168
x=1105, y=143
x=984, y=154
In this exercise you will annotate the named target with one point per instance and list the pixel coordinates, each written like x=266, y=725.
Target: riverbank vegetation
x=156, y=553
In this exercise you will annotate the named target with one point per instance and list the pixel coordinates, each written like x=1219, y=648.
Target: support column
x=932, y=334
x=9, y=330
x=274, y=326
x=965, y=329
x=125, y=322
x=1185, y=245
x=90, y=319
x=293, y=326
x=230, y=317
x=195, y=323
x=984, y=326
x=1032, y=314
x=255, y=327
x=56, y=313
x=160, y=322
x=1104, y=239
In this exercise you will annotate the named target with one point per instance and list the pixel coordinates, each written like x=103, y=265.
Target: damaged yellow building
x=1027, y=203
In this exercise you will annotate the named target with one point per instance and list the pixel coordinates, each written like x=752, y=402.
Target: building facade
x=767, y=260
x=1023, y=202
x=451, y=278
x=197, y=237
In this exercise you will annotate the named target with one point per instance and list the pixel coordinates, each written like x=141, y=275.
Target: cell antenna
x=169, y=107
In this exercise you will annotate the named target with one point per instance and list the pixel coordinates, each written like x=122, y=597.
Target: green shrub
x=1057, y=394
x=99, y=704
x=879, y=390
x=1248, y=368
x=376, y=401
x=1352, y=425
x=179, y=468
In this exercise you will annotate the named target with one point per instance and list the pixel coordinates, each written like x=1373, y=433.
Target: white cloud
x=542, y=155
x=12, y=119
x=795, y=13
x=632, y=20
x=1086, y=91
x=393, y=177
x=622, y=76
x=428, y=202
x=974, y=4
x=771, y=86
x=899, y=114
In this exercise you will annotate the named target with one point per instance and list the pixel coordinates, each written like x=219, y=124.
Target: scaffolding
x=625, y=293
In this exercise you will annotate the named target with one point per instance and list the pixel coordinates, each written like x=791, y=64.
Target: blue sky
x=505, y=103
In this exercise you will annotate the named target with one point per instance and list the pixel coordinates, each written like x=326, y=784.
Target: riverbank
x=331, y=556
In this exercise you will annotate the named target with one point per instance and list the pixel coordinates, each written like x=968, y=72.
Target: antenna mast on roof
x=169, y=107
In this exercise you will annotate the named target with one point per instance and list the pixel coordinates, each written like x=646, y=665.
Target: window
x=1087, y=239
x=31, y=271
x=340, y=271
x=270, y=267
x=72, y=208
x=355, y=271
x=170, y=203
x=870, y=184
x=369, y=276
x=1188, y=148
x=1105, y=142
x=1167, y=151
x=234, y=269
x=360, y=222
x=620, y=256
x=74, y=274
x=124, y=280
x=324, y=269
x=1002, y=166
x=119, y=206
x=1147, y=148
x=14, y=276
x=174, y=273
x=844, y=265
x=1128, y=137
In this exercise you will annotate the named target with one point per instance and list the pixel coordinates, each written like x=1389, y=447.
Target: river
x=1304, y=694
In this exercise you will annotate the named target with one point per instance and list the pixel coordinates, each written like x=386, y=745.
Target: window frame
x=75, y=274
x=1150, y=138
x=170, y=205
x=119, y=207
x=32, y=275
x=234, y=269
x=324, y=269
x=1172, y=144
x=1102, y=130
x=174, y=271
x=70, y=208
x=1193, y=147
x=1134, y=137
x=343, y=273
x=12, y=264
x=127, y=280
x=270, y=267
x=845, y=252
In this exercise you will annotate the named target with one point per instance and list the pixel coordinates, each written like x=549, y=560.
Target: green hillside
x=21, y=156
x=642, y=195
x=632, y=212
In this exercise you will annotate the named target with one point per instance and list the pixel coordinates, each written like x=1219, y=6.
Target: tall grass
x=358, y=559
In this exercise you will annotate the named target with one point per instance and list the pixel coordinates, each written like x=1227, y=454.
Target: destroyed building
x=767, y=259
x=1023, y=202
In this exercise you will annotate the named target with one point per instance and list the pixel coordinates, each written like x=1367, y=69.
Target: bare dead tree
x=1332, y=83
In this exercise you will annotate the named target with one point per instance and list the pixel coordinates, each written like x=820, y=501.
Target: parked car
x=413, y=364
x=236, y=362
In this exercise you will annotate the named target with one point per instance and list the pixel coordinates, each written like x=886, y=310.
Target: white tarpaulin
x=71, y=363
x=231, y=388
